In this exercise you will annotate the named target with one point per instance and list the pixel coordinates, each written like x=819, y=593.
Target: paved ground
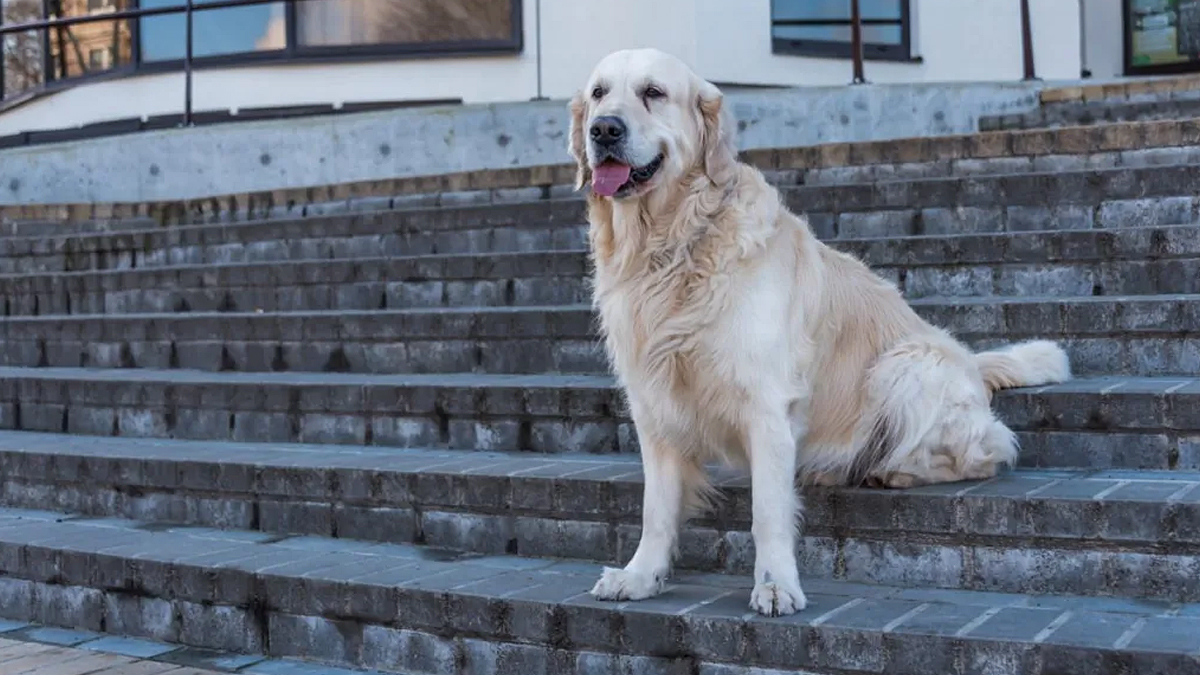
x=32, y=658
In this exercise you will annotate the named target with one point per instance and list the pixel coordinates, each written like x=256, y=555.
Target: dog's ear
x=583, y=173
x=717, y=132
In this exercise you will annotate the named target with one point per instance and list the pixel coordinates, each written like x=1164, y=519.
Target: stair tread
x=1112, y=385
x=1083, y=484
x=461, y=310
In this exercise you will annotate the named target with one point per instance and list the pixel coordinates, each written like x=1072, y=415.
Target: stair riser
x=543, y=420
x=1020, y=161
x=1090, y=356
x=1103, y=262
x=1069, y=114
x=170, y=293
x=1103, y=337
x=1109, y=199
x=1105, y=257
x=992, y=166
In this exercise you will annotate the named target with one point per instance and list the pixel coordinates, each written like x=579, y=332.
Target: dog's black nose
x=608, y=130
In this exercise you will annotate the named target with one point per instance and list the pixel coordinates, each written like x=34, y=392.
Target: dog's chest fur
x=671, y=331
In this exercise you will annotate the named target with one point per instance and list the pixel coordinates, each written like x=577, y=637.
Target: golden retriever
x=738, y=336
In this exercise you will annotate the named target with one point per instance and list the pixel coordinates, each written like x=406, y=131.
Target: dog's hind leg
x=928, y=419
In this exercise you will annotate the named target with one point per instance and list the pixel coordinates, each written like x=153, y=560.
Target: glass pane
x=835, y=9
x=877, y=35
x=86, y=48
x=360, y=22
x=234, y=30
x=24, y=58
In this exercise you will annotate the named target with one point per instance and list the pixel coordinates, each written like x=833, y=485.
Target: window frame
x=291, y=53
x=839, y=49
x=1133, y=70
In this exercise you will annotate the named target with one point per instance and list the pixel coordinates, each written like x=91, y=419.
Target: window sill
x=841, y=52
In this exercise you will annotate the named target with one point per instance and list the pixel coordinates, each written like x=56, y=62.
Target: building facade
x=293, y=53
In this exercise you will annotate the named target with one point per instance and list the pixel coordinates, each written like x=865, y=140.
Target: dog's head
x=645, y=120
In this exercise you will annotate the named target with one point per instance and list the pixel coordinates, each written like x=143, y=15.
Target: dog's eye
x=653, y=92
x=598, y=93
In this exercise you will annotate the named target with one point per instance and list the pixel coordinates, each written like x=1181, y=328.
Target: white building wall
x=1104, y=43
x=726, y=41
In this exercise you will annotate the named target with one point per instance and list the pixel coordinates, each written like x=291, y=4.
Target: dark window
x=99, y=59
x=339, y=23
x=822, y=28
x=215, y=32
x=24, y=53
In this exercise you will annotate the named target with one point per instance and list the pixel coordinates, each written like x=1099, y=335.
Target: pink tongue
x=609, y=177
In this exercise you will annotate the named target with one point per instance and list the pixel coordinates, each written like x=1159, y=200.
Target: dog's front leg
x=666, y=476
x=775, y=506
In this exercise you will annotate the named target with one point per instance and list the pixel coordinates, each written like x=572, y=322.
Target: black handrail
x=1027, y=41
x=856, y=41
x=189, y=9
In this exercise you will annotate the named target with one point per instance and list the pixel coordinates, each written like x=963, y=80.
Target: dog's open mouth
x=611, y=178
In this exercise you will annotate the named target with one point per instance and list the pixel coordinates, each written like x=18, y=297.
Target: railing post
x=856, y=41
x=1027, y=41
x=187, y=70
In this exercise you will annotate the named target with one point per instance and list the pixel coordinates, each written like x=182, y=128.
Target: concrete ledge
x=291, y=154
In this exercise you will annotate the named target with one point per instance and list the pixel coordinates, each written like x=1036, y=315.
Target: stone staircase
x=1138, y=100
x=371, y=427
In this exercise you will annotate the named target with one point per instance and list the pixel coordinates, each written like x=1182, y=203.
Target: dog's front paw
x=774, y=599
x=625, y=584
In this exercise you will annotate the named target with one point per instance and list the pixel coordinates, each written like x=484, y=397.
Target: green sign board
x=1162, y=35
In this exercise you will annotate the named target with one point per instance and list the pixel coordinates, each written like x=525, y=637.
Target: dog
x=737, y=336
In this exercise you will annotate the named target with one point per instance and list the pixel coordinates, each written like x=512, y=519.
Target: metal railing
x=189, y=8
x=856, y=42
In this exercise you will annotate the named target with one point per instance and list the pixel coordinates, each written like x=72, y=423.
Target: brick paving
x=32, y=658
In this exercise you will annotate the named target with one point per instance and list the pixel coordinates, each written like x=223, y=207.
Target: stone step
x=1125, y=261
x=1008, y=203
x=1134, y=335
x=1080, y=113
x=961, y=167
x=1132, y=144
x=1100, y=533
x=1113, y=422
x=411, y=608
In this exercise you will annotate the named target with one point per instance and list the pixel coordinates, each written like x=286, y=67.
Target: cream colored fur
x=739, y=337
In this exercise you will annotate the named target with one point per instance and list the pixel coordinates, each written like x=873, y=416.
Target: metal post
x=1027, y=41
x=856, y=41
x=538, y=37
x=187, y=70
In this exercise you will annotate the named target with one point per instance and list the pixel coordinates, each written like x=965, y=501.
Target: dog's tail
x=1026, y=364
